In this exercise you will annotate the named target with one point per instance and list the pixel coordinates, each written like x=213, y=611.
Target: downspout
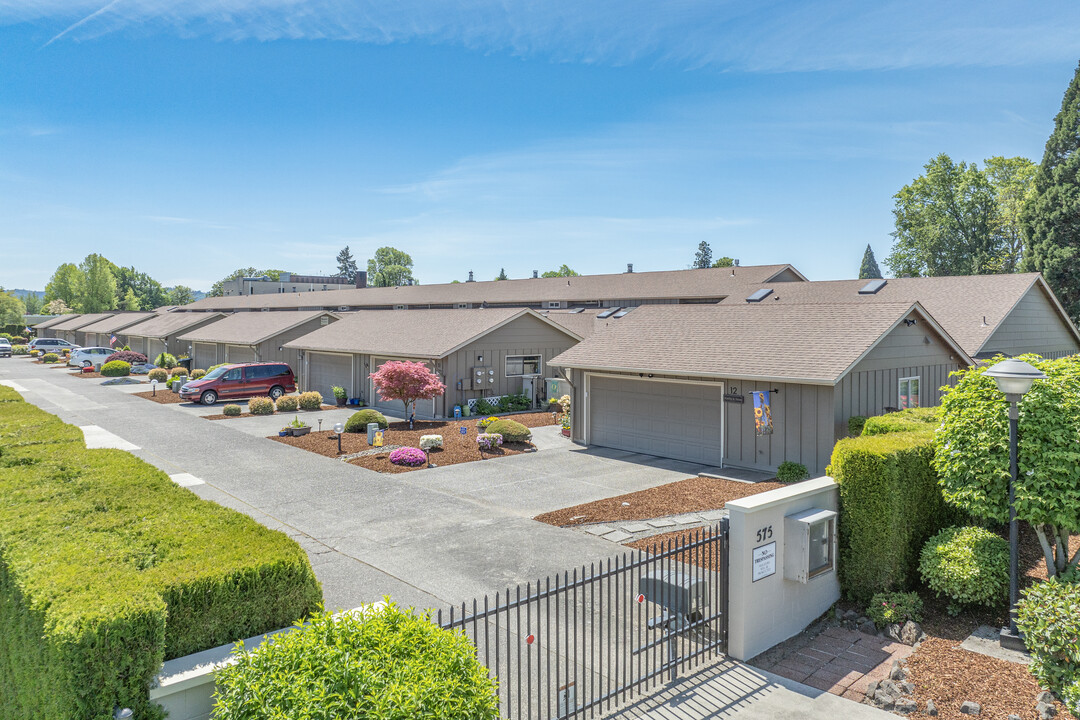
x=255, y=349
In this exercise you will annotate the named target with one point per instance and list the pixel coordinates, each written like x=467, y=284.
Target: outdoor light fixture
x=1014, y=378
x=123, y=714
x=339, y=428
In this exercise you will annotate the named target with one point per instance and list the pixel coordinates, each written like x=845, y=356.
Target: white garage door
x=326, y=370
x=239, y=353
x=656, y=418
x=203, y=356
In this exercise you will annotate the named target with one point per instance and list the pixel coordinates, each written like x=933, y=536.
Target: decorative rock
x=892, y=630
x=896, y=672
x=1045, y=710
x=970, y=708
x=907, y=688
x=883, y=700
x=1045, y=697
x=911, y=633
x=1014, y=717
x=838, y=614
x=866, y=625
x=871, y=689
x=931, y=708
x=851, y=615
x=905, y=706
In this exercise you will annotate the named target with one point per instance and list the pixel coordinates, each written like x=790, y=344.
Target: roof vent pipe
x=629, y=267
x=470, y=277
x=736, y=263
x=536, y=274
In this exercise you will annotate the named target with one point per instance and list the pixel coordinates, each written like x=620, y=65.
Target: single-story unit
x=44, y=329
x=97, y=334
x=478, y=353
x=161, y=333
x=251, y=337
x=682, y=381
x=72, y=329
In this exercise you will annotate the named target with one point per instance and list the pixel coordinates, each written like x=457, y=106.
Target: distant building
x=290, y=283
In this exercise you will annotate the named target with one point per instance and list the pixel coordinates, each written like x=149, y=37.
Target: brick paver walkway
x=840, y=661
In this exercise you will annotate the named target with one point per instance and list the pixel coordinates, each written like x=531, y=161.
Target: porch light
x=1014, y=377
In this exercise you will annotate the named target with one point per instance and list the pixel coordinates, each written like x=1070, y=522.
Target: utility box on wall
x=809, y=544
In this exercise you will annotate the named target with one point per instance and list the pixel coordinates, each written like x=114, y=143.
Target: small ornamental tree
x=407, y=381
x=971, y=453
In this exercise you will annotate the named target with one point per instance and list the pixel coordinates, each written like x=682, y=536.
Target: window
x=462, y=306
x=399, y=307
x=519, y=365
x=233, y=374
x=821, y=547
x=909, y=392
x=554, y=305
x=324, y=321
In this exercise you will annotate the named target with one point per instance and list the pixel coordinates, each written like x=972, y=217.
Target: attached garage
x=675, y=420
x=203, y=355
x=325, y=370
x=239, y=354
x=163, y=331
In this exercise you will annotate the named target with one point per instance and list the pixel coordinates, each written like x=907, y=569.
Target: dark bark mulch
x=695, y=494
x=164, y=396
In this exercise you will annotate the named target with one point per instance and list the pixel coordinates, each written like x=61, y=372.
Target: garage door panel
x=204, y=355
x=326, y=370
x=240, y=354
x=680, y=421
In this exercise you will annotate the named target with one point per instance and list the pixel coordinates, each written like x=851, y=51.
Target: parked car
x=5, y=347
x=51, y=344
x=247, y=380
x=89, y=357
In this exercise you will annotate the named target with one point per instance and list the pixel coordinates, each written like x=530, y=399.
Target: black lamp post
x=1014, y=378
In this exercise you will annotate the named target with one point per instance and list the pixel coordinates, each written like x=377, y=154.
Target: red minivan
x=234, y=381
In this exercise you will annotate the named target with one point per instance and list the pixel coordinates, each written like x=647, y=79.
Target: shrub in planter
x=261, y=406
x=231, y=410
x=968, y=565
x=489, y=441
x=431, y=442
x=339, y=393
x=116, y=368
x=165, y=360
x=1049, y=618
x=855, y=425
x=894, y=607
x=404, y=665
x=50, y=358
x=511, y=430
x=358, y=421
x=35, y=353
x=132, y=358
x=197, y=373
x=287, y=403
x=408, y=456
x=159, y=374
x=310, y=400
x=790, y=472
x=483, y=423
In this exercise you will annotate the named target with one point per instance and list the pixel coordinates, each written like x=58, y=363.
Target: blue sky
x=189, y=139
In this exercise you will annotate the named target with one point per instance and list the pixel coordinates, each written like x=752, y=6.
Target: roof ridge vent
x=872, y=287
x=758, y=295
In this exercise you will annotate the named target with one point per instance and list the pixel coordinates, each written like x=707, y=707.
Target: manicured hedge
x=890, y=504
x=107, y=568
x=511, y=430
x=913, y=420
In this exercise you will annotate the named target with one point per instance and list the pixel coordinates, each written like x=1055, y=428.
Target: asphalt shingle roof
x=53, y=321
x=250, y=328
x=168, y=324
x=117, y=322
x=78, y=322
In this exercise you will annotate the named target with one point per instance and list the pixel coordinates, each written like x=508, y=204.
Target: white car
x=89, y=357
x=5, y=347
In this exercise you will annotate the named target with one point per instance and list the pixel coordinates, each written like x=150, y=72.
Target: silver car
x=89, y=357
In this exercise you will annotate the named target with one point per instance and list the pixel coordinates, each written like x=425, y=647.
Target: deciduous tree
x=869, y=268
x=407, y=381
x=57, y=307
x=724, y=262
x=33, y=303
x=97, y=286
x=389, y=268
x=12, y=310
x=563, y=271
x=181, y=295
x=147, y=290
x=1013, y=181
x=64, y=285
x=130, y=302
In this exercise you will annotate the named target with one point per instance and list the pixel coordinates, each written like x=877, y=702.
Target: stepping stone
x=686, y=519
x=636, y=527
x=599, y=529
x=618, y=536
x=713, y=515
x=661, y=523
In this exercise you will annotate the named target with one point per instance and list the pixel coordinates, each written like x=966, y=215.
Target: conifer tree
x=869, y=268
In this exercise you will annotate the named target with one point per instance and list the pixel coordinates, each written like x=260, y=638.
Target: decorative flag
x=112, y=339
x=762, y=413
x=26, y=330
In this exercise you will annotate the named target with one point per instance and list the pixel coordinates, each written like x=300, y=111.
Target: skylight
x=759, y=295
x=622, y=313
x=872, y=287
x=608, y=313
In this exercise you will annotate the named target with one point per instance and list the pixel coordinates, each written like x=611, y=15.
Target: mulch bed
x=695, y=494
x=163, y=397
x=458, y=448
x=949, y=675
x=703, y=556
x=221, y=416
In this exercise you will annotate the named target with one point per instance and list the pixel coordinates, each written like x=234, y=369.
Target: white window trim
x=899, y=391
x=399, y=307
x=554, y=305
x=461, y=306
x=539, y=366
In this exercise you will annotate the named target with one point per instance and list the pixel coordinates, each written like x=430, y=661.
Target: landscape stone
x=884, y=700
x=907, y=688
x=1045, y=710
x=896, y=672
x=872, y=689
x=911, y=633
x=618, y=536
x=892, y=630
x=970, y=708
x=599, y=529
x=713, y=515
x=851, y=615
x=905, y=706
x=635, y=527
x=838, y=614
x=1014, y=717
x=1045, y=697
x=931, y=708
x=866, y=625
x=660, y=523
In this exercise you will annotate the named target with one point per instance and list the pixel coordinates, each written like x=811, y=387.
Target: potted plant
x=296, y=428
x=566, y=425
x=340, y=395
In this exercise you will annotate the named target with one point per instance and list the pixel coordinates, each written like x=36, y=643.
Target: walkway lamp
x=1014, y=378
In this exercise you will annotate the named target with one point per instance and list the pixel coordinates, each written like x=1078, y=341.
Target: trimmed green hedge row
x=107, y=568
x=890, y=502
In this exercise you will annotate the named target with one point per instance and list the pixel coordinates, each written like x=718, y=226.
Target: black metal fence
x=585, y=641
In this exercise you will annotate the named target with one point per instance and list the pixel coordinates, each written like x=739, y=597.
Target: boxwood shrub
x=173, y=372
x=968, y=565
x=50, y=357
x=261, y=406
x=511, y=430
x=791, y=472
x=116, y=368
x=310, y=400
x=231, y=410
x=358, y=421
x=855, y=425
x=107, y=568
x=1049, y=616
x=911, y=420
x=287, y=403
x=159, y=374
x=197, y=373
x=387, y=664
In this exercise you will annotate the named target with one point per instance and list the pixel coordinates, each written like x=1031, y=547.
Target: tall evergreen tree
x=502, y=274
x=703, y=256
x=1051, y=218
x=869, y=268
x=33, y=303
x=346, y=264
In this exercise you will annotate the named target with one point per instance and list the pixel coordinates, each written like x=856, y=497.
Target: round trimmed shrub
x=165, y=360
x=287, y=403
x=968, y=565
x=358, y=421
x=855, y=425
x=310, y=400
x=116, y=368
x=50, y=358
x=132, y=358
x=231, y=410
x=404, y=665
x=261, y=406
x=791, y=472
x=159, y=374
x=197, y=373
x=408, y=456
x=511, y=430
x=178, y=371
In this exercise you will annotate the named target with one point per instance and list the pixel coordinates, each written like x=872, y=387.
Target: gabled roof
x=960, y=304
x=814, y=344
x=117, y=322
x=708, y=283
x=78, y=322
x=169, y=324
x=251, y=328
x=54, y=321
x=413, y=333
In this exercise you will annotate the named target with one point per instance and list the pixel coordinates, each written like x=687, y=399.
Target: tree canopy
x=703, y=256
x=724, y=262
x=218, y=288
x=1051, y=218
x=12, y=310
x=389, y=268
x=33, y=303
x=502, y=275
x=563, y=271
x=148, y=292
x=97, y=285
x=181, y=295
x=346, y=264
x=869, y=268
x=406, y=381
x=64, y=285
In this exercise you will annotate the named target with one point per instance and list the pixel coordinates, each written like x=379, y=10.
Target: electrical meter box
x=809, y=544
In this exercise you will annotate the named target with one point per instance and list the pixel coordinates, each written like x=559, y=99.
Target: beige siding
x=269, y=352
x=1034, y=325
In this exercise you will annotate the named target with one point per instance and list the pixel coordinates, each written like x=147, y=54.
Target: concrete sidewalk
x=733, y=690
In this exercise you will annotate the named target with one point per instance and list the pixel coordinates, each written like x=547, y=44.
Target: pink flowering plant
x=489, y=441
x=894, y=607
x=408, y=456
x=407, y=381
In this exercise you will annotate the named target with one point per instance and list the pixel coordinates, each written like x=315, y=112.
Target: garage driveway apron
x=434, y=537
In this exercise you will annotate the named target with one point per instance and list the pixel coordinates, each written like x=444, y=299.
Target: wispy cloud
x=769, y=35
